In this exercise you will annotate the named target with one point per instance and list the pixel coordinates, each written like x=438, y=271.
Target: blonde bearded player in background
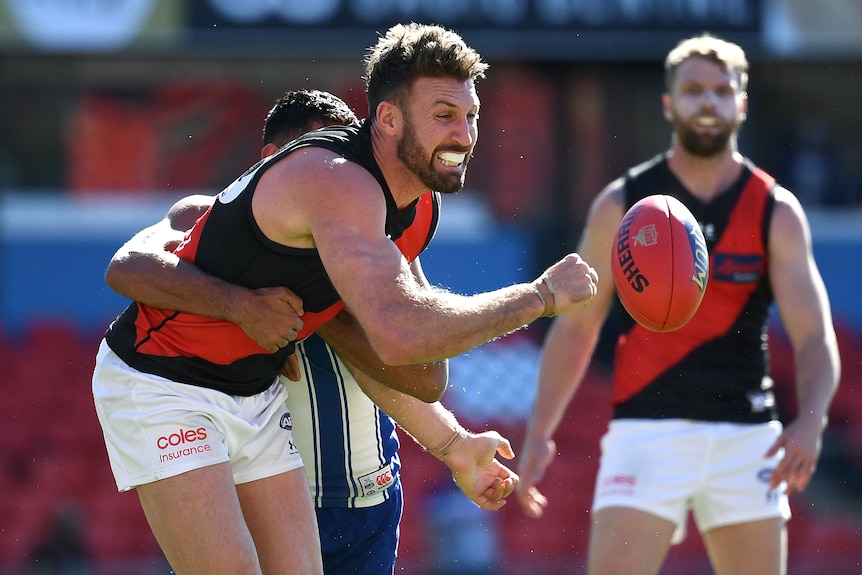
x=694, y=423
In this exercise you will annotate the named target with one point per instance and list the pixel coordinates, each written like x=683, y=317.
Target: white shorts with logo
x=155, y=428
x=668, y=467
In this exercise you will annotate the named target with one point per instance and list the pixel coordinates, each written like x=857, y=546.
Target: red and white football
x=660, y=263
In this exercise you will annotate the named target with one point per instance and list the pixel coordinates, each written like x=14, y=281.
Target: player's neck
x=705, y=178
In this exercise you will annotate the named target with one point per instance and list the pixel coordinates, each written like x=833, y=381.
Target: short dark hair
x=411, y=51
x=298, y=111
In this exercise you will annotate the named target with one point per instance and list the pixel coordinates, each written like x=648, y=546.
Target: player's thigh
x=281, y=518
x=626, y=541
x=651, y=466
x=752, y=548
x=736, y=478
x=197, y=520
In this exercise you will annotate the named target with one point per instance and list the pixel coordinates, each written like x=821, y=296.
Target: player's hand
x=801, y=441
x=573, y=282
x=535, y=458
x=269, y=316
x=478, y=473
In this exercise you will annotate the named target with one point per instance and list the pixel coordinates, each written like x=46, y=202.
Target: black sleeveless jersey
x=227, y=243
x=715, y=368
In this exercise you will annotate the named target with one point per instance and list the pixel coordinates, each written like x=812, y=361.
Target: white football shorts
x=155, y=428
x=668, y=467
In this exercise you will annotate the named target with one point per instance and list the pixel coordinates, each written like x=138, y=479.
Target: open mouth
x=707, y=121
x=451, y=159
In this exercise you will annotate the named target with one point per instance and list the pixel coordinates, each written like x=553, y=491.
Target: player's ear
x=390, y=119
x=743, y=106
x=268, y=150
x=665, y=104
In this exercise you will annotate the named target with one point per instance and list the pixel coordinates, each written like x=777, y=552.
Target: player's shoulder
x=789, y=219
x=655, y=165
x=185, y=211
x=609, y=204
x=193, y=201
x=604, y=216
x=784, y=197
x=787, y=205
x=312, y=167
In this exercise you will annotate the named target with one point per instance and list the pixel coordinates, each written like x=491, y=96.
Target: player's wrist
x=545, y=290
x=813, y=418
x=450, y=445
x=235, y=301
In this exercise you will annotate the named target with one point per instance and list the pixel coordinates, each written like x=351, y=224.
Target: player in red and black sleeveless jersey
x=316, y=218
x=714, y=368
x=145, y=269
x=694, y=424
x=227, y=243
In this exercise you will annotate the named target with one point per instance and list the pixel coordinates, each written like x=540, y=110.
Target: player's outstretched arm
x=803, y=304
x=566, y=352
x=144, y=269
x=301, y=203
x=470, y=456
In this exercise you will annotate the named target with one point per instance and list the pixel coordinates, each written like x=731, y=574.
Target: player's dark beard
x=702, y=145
x=411, y=153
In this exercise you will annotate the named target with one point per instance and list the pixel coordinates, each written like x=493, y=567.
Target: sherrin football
x=660, y=263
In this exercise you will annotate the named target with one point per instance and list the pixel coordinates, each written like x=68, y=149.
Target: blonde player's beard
x=703, y=145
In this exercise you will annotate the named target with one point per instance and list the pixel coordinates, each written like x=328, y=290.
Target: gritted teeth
x=451, y=158
x=707, y=121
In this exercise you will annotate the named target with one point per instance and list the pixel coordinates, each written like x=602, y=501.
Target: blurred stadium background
x=111, y=110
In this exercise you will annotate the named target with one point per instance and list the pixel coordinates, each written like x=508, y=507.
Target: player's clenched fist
x=270, y=316
x=567, y=285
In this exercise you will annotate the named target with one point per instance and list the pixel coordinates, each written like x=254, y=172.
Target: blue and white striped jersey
x=349, y=446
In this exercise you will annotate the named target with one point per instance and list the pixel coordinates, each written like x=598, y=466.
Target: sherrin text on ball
x=660, y=263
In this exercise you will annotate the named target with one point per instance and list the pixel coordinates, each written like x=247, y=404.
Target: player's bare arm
x=425, y=381
x=803, y=305
x=470, y=456
x=567, y=350
x=144, y=269
x=405, y=321
x=563, y=362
